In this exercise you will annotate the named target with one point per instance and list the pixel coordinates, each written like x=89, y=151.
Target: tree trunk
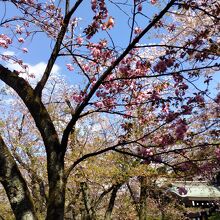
x=57, y=185
x=86, y=212
x=15, y=186
x=134, y=198
x=55, y=152
x=112, y=202
x=162, y=215
x=143, y=199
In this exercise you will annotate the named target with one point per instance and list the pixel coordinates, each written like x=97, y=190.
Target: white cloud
x=8, y=53
x=40, y=67
x=37, y=70
x=33, y=72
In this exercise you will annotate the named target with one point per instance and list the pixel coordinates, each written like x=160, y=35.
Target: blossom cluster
x=5, y=41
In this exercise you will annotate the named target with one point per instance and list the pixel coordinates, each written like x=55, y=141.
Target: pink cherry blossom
x=77, y=97
x=25, y=50
x=183, y=86
x=93, y=4
x=153, y=2
x=69, y=67
x=19, y=29
x=199, y=99
x=5, y=41
x=21, y=40
x=99, y=104
x=187, y=109
x=137, y=30
x=160, y=66
x=79, y=40
x=139, y=7
x=96, y=52
x=181, y=129
x=86, y=67
x=166, y=108
x=169, y=62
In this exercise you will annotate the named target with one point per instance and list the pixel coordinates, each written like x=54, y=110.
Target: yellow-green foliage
x=5, y=208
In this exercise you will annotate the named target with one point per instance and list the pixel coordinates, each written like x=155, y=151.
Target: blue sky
x=40, y=46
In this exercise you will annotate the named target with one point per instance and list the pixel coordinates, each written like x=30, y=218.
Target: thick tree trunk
x=57, y=185
x=143, y=199
x=55, y=152
x=15, y=186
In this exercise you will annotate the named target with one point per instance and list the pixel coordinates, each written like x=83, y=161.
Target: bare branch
x=56, y=49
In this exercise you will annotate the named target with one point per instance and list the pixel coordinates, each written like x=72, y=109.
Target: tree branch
x=81, y=106
x=165, y=74
x=56, y=49
x=35, y=106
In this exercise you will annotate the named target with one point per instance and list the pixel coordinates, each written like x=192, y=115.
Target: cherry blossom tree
x=159, y=72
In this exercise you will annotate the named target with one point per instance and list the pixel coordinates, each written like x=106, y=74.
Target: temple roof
x=196, y=190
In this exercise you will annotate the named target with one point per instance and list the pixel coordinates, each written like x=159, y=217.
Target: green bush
x=215, y=216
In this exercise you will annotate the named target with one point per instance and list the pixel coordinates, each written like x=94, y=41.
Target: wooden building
x=205, y=198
